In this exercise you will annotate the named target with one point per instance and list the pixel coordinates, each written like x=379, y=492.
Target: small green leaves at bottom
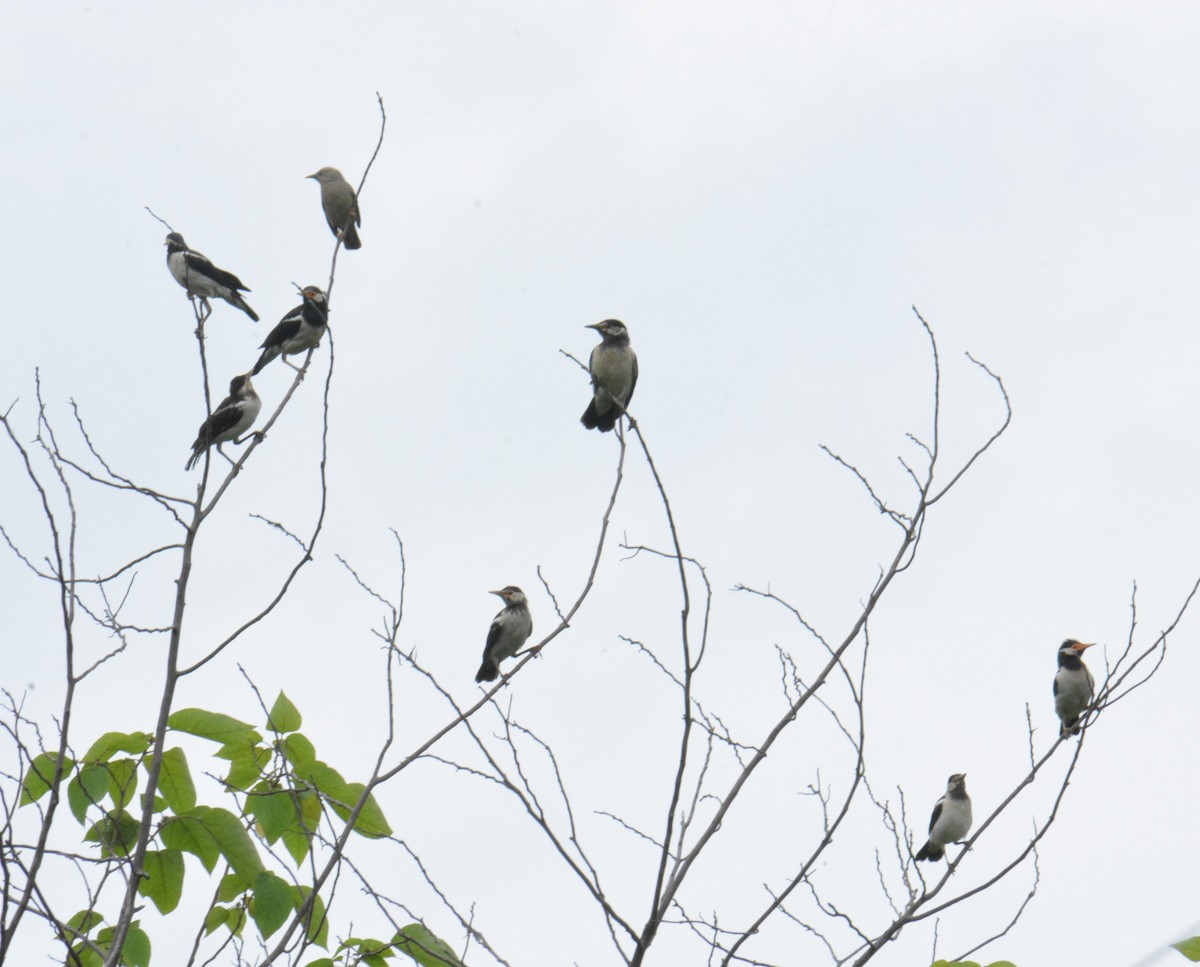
x=417, y=942
x=1190, y=948
x=971, y=963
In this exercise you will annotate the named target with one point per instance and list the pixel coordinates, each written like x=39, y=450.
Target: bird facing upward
x=201, y=278
x=510, y=629
x=951, y=819
x=340, y=204
x=614, y=370
x=300, y=329
x=1073, y=685
x=230, y=420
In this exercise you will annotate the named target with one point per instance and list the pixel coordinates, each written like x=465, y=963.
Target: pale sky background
x=760, y=191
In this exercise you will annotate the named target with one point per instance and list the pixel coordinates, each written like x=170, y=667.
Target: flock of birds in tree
x=614, y=370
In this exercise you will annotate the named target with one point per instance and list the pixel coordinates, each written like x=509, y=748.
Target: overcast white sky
x=761, y=192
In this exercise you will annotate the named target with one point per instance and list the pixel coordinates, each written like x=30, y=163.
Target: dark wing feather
x=201, y=266
x=937, y=811
x=284, y=330
x=632, y=382
x=492, y=638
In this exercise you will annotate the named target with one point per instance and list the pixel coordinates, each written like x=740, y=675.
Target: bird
x=300, y=329
x=614, y=370
x=951, y=819
x=231, y=419
x=1073, y=685
x=201, y=278
x=340, y=204
x=510, y=629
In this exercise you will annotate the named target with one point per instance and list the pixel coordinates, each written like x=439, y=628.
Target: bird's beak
x=498, y=594
x=592, y=325
x=1081, y=645
x=310, y=176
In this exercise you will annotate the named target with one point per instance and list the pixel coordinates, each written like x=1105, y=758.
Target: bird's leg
x=232, y=462
x=298, y=369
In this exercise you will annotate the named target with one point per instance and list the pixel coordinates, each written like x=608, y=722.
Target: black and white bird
x=340, y=204
x=614, y=370
x=1073, y=685
x=201, y=278
x=951, y=819
x=230, y=420
x=510, y=629
x=300, y=329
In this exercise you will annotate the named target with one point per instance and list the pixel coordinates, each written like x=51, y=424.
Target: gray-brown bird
x=614, y=370
x=340, y=204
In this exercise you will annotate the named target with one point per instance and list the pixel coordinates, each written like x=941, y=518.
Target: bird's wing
x=632, y=382
x=493, y=636
x=937, y=811
x=285, y=329
x=1056, y=686
x=202, y=266
x=224, y=419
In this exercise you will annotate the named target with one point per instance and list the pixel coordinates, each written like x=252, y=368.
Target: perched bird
x=1073, y=685
x=340, y=204
x=300, y=329
x=231, y=419
x=509, y=631
x=201, y=278
x=951, y=819
x=614, y=370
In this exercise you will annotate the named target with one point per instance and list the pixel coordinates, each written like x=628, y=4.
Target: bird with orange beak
x=1073, y=685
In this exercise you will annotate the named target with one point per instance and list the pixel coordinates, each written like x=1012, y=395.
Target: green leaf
x=230, y=888
x=329, y=781
x=89, y=786
x=417, y=942
x=316, y=924
x=371, y=822
x=298, y=836
x=110, y=743
x=216, y=917
x=246, y=763
x=320, y=962
x=272, y=809
x=1190, y=948
x=1002, y=963
x=116, y=833
x=40, y=777
x=122, y=781
x=175, y=781
x=233, y=841
x=299, y=752
x=272, y=903
x=284, y=716
x=163, y=880
x=191, y=835
x=85, y=920
x=136, y=950
x=212, y=725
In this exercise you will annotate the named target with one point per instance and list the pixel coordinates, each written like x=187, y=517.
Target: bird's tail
x=930, y=852
x=197, y=453
x=350, y=237
x=265, y=358
x=238, y=301
x=489, y=671
x=604, y=422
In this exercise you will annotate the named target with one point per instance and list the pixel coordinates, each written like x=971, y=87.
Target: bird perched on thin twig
x=201, y=278
x=510, y=629
x=1073, y=685
x=230, y=420
x=951, y=819
x=300, y=329
x=340, y=204
x=614, y=370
